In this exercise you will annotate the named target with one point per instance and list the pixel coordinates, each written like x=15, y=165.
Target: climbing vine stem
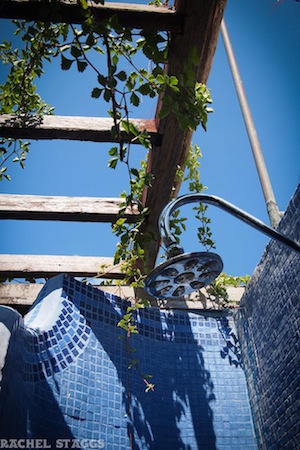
x=103, y=47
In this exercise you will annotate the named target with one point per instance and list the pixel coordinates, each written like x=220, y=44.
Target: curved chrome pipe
x=170, y=240
x=182, y=273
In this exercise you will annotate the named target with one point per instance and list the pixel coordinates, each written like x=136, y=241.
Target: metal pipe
x=271, y=204
x=169, y=239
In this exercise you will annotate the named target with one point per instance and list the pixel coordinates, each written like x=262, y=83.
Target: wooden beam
x=21, y=294
x=47, y=266
x=201, y=29
x=24, y=294
x=72, y=128
x=129, y=15
x=80, y=209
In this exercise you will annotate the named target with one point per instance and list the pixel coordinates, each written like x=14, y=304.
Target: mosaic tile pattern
x=77, y=384
x=51, y=351
x=12, y=393
x=269, y=328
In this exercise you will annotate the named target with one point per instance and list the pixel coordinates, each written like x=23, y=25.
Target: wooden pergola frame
x=193, y=24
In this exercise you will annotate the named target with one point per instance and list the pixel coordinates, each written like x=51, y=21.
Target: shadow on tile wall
x=269, y=329
x=66, y=375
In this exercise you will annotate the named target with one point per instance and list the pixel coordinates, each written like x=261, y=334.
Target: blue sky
x=266, y=41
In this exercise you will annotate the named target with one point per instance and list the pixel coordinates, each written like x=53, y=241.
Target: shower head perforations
x=183, y=274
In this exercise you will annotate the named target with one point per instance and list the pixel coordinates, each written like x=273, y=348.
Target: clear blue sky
x=266, y=40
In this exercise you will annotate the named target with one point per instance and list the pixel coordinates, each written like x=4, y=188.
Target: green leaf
x=96, y=92
x=133, y=363
x=140, y=250
x=112, y=70
x=91, y=40
x=114, y=131
x=173, y=81
x=115, y=60
x=112, y=163
x=157, y=70
x=81, y=65
x=145, y=89
x=125, y=125
x=133, y=329
x=66, y=63
x=84, y=4
x=121, y=75
x=135, y=172
x=127, y=317
x=75, y=51
x=122, y=324
x=133, y=129
x=3, y=174
x=112, y=82
x=107, y=95
x=113, y=151
x=99, y=50
x=120, y=221
x=134, y=99
x=102, y=80
x=131, y=80
x=162, y=79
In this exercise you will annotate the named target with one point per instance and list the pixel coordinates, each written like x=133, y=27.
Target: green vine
x=191, y=174
x=128, y=323
x=18, y=94
x=93, y=46
x=217, y=290
x=122, y=90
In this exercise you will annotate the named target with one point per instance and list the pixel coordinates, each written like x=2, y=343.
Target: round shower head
x=183, y=274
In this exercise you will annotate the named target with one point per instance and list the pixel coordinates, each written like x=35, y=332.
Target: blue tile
x=182, y=351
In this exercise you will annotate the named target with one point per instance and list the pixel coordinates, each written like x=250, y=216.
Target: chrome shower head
x=183, y=274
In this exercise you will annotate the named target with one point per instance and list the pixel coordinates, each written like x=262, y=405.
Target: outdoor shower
x=182, y=273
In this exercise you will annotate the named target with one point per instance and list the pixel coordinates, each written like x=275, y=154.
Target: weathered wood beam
x=80, y=209
x=46, y=266
x=72, y=128
x=129, y=15
x=24, y=294
x=201, y=29
x=21, y=294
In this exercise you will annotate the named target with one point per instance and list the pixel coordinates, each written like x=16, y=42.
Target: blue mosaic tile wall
x=66, y=376
x=12, y=394
x=268, y=325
